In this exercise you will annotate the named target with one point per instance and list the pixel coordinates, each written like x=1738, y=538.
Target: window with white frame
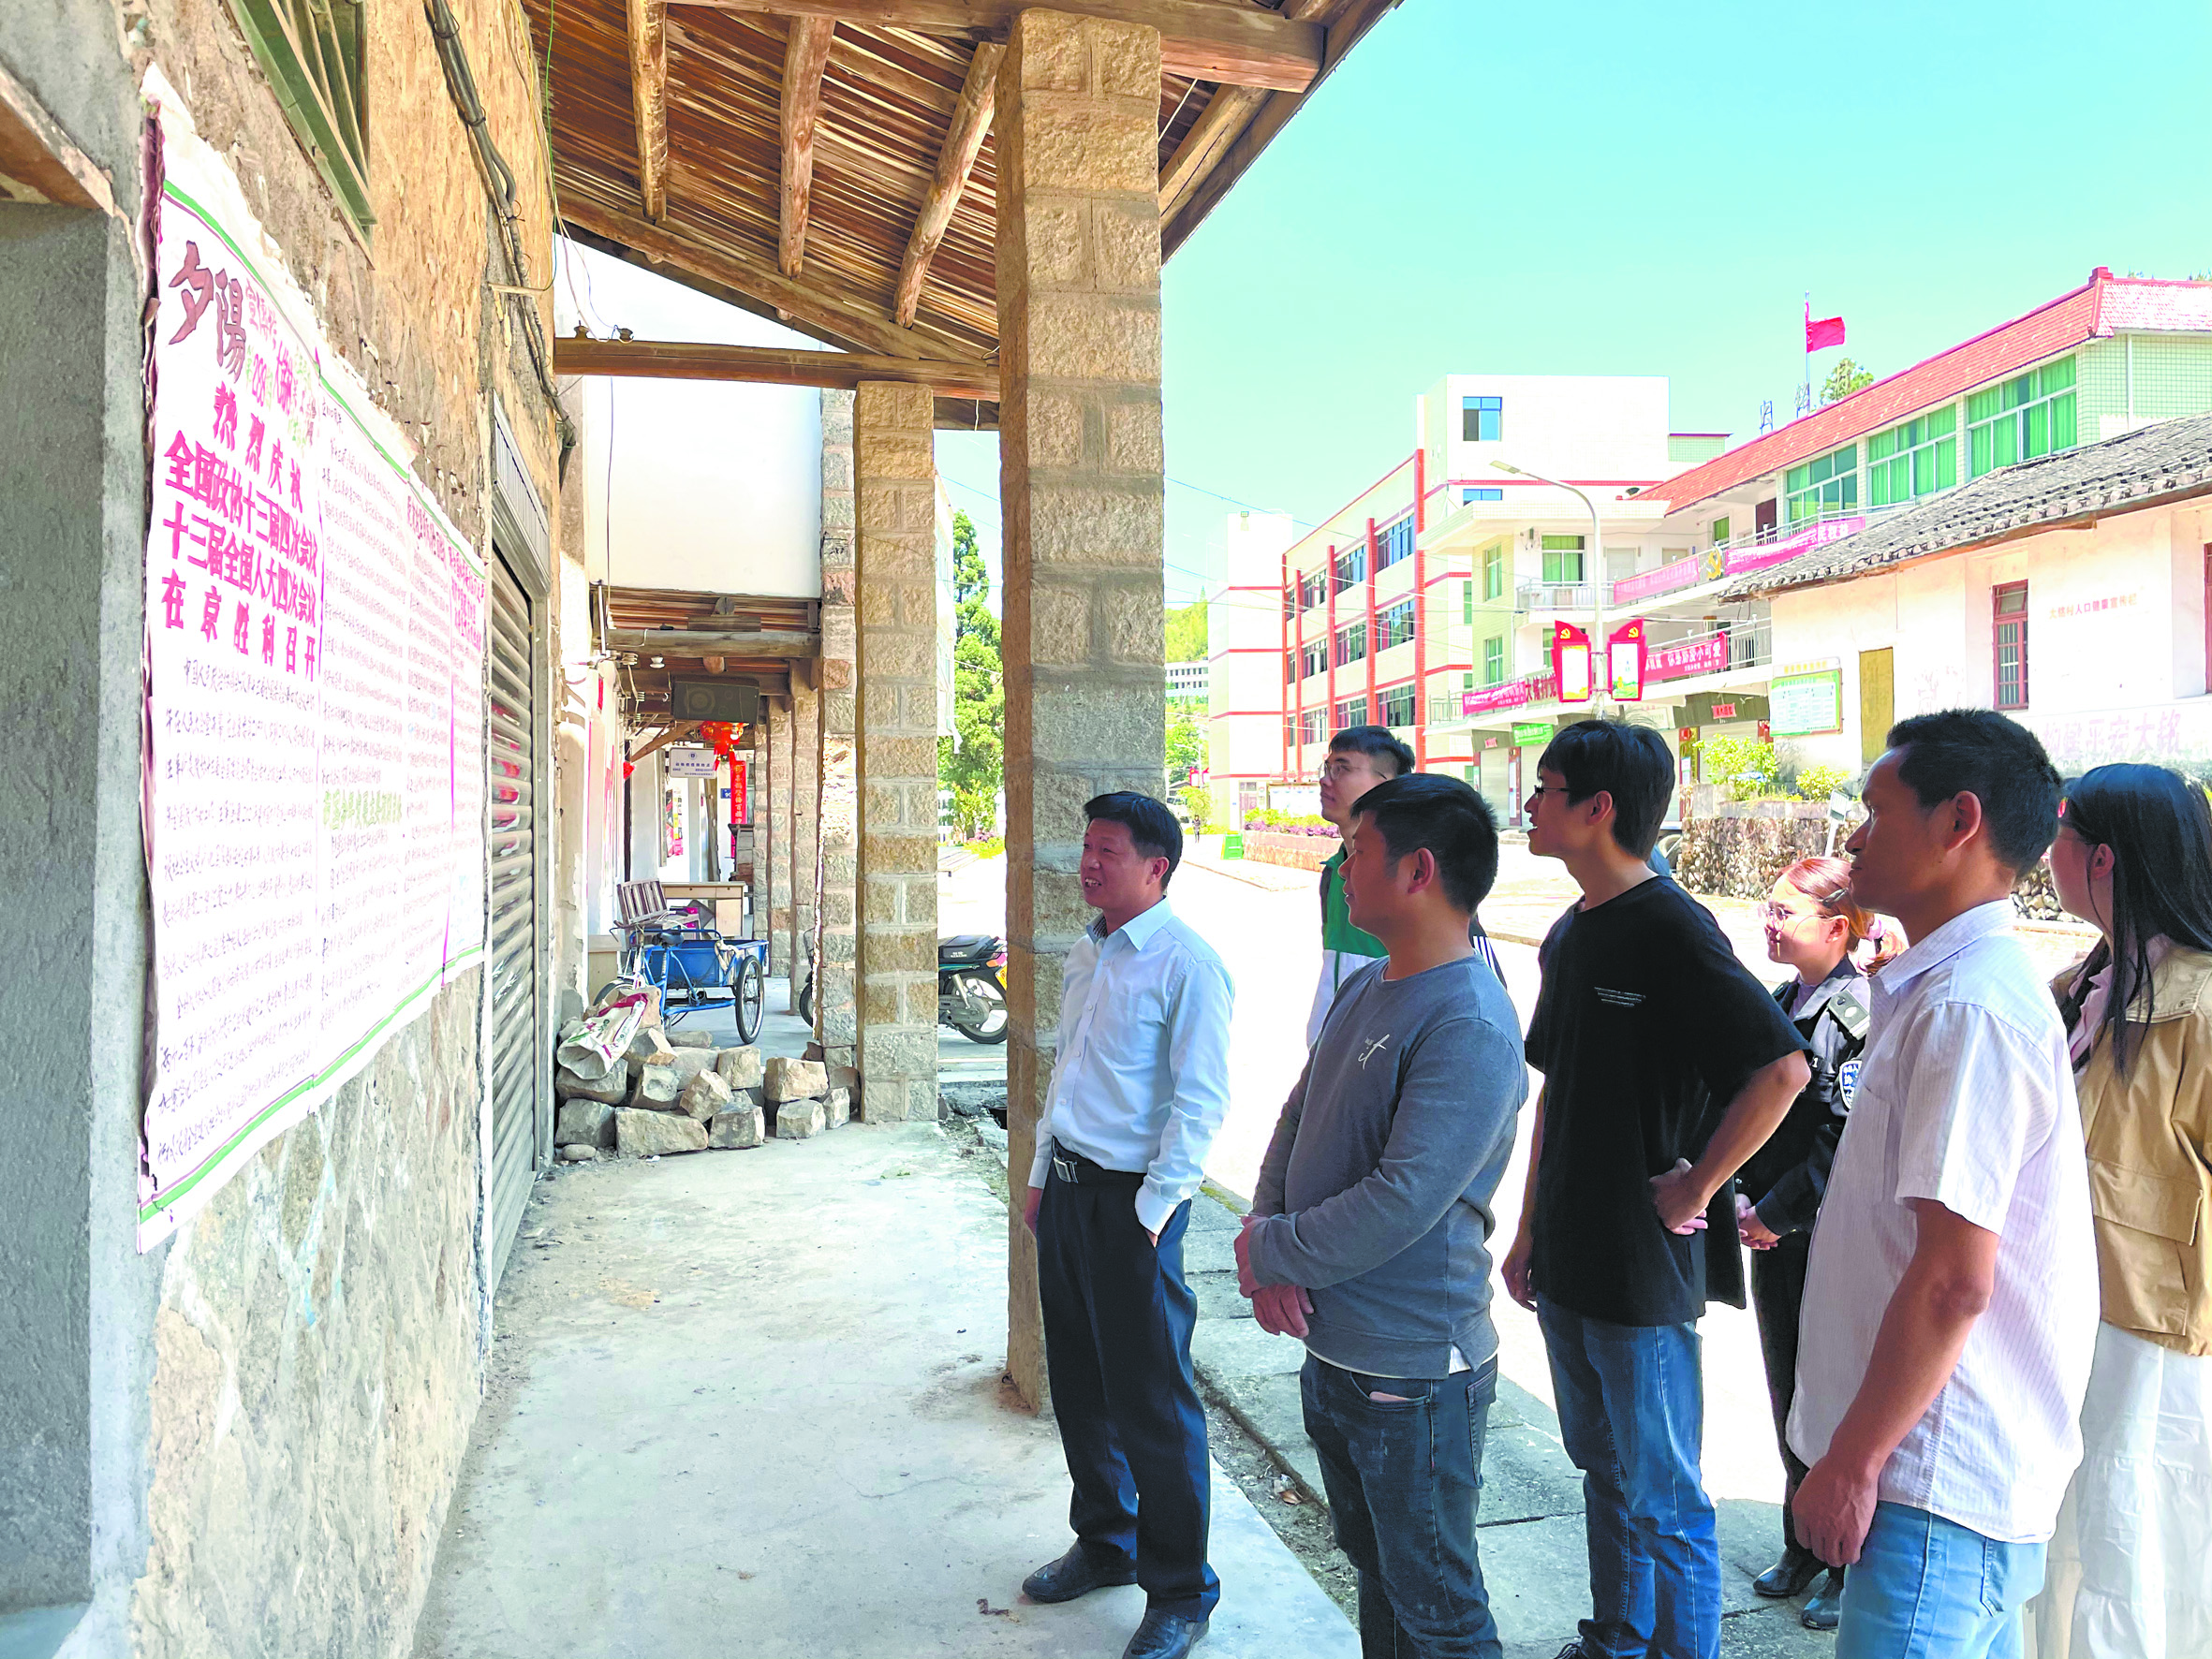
x=1481, y=420
x=1396, y=624
x=1397, y=706
x=2029, y=415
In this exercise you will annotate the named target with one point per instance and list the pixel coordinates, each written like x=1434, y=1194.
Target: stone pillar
x=1081, y=495
x=772, y=840
x=837, y=1012
x=895, y=473
x=803, y=830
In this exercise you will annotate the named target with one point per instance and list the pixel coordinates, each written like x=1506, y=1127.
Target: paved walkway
x=748, y=1403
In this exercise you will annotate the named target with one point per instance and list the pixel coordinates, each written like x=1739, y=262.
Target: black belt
x=1071, y=1165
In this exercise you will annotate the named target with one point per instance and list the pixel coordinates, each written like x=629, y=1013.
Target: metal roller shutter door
x=515, y=1049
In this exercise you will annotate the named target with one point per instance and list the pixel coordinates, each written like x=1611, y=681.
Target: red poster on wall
x=741, y=808
x=1571, y=662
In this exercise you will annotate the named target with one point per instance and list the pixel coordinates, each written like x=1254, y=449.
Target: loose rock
x=796, y=1079
x=569, y=1085
x=689, y=1062
x=741, y=1068
x=703, y=1096
x=739, y=1127
x=585, y=1123
x=579, y=1155
x=686, y=1039
x=836, y=1108
x=645, y=1042
x=991, y=1135
x=796, y=1120
x=657, y=1089
x=649, y=1134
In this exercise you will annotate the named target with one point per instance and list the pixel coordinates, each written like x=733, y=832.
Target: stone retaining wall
x=1293, y=852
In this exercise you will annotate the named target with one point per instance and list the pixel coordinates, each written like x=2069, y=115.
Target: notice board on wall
x=314, y=661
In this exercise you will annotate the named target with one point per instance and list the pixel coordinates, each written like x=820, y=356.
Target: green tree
x=1187, y=744
x=970, y=765
x=1186, y=634
x=1844, y=379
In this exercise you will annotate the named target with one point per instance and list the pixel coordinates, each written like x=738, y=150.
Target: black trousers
x=1777, y=1295
x=1117, y=1324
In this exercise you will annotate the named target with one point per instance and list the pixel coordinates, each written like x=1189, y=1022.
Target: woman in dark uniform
x=1812, y=926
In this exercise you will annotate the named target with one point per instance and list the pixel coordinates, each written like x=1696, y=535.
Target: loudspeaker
x=737, y=701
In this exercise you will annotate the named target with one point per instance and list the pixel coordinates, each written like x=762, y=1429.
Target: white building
x=1187, y=681
x=2073, y=592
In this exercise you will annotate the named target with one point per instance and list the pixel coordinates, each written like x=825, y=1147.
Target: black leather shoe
x=1824, y=1611
x=1074, y=1574
x=1789, y=1575
x=1165, y=1636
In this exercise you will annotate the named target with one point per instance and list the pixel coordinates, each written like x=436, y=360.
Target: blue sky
x=1633, y=189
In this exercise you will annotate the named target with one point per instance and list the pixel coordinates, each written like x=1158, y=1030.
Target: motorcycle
x=971, y=995
x=972, y=992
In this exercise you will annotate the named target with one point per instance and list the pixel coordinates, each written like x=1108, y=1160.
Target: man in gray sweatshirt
x=1368, y=1235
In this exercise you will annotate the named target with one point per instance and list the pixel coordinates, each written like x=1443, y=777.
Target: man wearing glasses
x=1360, y=758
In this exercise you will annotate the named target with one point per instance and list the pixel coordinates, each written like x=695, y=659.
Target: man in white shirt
x=1138, y=1089
x=1950, y=1299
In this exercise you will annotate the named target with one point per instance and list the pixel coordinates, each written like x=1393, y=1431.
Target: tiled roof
x=2172, y=461
x=2100, y=306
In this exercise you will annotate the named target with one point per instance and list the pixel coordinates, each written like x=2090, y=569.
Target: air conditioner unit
x=736, y=701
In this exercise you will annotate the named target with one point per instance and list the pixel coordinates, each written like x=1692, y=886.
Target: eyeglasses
x=1540, y=791
x=1782, y=918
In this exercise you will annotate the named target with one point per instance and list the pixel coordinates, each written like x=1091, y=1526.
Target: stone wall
x=279, y=1397
x=316, y=1369
x=836, y=874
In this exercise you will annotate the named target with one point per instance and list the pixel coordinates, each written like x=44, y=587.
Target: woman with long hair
x=1812, y=926
x=2129, y=1575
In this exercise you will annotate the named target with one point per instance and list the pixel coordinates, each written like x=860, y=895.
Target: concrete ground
x=748, y=1403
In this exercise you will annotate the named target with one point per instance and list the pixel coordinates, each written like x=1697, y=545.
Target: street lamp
x=1601, y=651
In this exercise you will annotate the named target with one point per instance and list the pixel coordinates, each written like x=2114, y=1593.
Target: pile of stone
x=676, y=1092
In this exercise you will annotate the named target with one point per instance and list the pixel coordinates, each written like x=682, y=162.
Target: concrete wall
x=245, y=1440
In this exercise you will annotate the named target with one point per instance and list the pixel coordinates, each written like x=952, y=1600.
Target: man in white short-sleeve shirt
x=1951, y=1299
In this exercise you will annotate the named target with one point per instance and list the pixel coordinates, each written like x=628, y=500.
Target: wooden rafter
x=964, y=143
x=804, y=60
x=649, y=100
x=844, y=322
x=1347, y=20
x=764, y=365
x=1207, y=141
x=1199, y=40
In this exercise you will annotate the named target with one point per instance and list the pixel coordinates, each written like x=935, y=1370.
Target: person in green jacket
x=1360, y=758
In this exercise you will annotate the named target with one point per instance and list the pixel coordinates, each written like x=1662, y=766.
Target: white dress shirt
x=1141, y=1082
x=1966, y=1097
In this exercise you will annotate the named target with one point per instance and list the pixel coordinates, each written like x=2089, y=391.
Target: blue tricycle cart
x=676, y=949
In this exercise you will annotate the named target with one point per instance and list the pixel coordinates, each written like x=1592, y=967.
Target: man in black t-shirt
x=1666, y=1065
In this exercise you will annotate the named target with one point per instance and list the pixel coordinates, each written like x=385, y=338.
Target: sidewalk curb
x=1233, y=875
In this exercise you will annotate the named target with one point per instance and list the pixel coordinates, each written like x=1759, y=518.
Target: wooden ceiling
x=835, y=168
x=655, y=634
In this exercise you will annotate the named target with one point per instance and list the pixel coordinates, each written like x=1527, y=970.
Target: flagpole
x=1808, y=351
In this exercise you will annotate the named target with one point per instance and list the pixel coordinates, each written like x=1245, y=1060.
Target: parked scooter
x=971, y=995
x=971, y=991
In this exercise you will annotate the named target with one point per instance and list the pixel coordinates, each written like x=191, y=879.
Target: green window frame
x=1494, y=659
x=1916, y=459
x=1827, y=488
x=312, y=53
x=1562, y=560
x=1494, y=571
x=1466, y=601
x=2027, y=416
x=1719, y=532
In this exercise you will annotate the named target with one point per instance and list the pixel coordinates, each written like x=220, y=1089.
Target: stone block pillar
x=836, y=1011
x=802, y=827
x=1081, y=493
x=895, y=471
x=771, y=840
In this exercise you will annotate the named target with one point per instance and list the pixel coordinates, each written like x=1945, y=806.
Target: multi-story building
x=1186, y=682
x=2116, y=354
x=1442, y=581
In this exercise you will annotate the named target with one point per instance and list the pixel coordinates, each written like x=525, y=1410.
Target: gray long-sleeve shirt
x=1376, y=1188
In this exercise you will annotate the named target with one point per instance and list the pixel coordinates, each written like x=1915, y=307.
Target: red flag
x=1822, y=332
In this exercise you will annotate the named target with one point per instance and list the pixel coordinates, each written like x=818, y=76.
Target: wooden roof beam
x=1199, y=40
x=649, y=101
x=843, y=322
x=764, y=365
x=804, y=59
x=698, y=641
x=1348, y=20
x=964, y=143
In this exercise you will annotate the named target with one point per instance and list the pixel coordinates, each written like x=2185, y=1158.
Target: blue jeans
x=1924, y=1587
x=1631, y=1414
x=1403, y=1478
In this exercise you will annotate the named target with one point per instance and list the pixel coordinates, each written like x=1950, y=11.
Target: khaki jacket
x=2149, y=1138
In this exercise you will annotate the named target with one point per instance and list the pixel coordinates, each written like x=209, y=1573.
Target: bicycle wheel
x=750, y=993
